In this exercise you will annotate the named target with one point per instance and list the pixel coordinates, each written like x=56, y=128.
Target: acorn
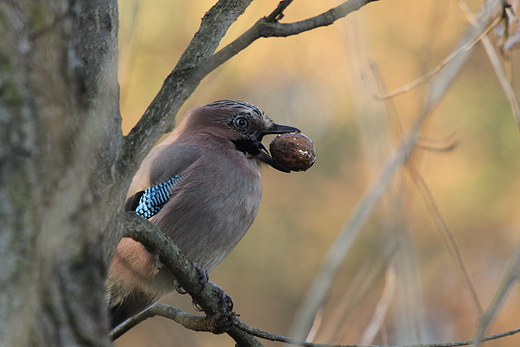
x=295, y=151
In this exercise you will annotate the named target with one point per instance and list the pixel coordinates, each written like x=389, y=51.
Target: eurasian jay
x=202, y=187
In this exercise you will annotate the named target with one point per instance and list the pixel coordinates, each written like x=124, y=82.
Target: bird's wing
x=153, y=199
x=165, y=170
x=132, y=202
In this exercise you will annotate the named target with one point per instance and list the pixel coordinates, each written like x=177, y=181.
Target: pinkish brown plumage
x=211, y=163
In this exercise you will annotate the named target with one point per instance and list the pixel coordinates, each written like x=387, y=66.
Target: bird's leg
x=203, y=277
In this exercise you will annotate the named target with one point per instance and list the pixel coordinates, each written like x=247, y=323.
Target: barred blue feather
x=154, y=198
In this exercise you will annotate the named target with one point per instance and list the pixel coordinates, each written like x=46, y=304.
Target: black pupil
x=241, y=122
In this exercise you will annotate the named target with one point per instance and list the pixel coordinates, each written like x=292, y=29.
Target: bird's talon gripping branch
x=203, y=276
x=227, y=317
x=196, y=306
x=178, y=288
x=225, y=301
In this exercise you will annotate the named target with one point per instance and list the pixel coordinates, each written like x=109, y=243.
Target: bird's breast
x=213, y=207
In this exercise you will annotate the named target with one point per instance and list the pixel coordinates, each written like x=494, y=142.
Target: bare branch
x=277, y=14
x=510, y=277
x=427, y=76
x=497, y=65
x=185, y=319
x=198, y=323
x=272, y=337
x=322, y=283
x=187, y=274
x=198, y=61
x=148, y=234
x=266, y=27
x=321, y=20
x=178, y=86
x=121, y=329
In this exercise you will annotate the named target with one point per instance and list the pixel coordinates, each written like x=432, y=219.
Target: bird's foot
x=227, y=316
x=179, y=288
x=225, y=300
x=203, y=278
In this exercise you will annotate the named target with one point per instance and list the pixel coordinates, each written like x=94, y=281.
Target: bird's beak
x=264, y=153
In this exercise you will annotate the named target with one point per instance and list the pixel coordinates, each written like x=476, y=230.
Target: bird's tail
x=130, y=306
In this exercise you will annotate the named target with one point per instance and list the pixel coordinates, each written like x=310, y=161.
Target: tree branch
x=178, y=86
x=272, y=337
x=198, y=61
x=269, y=27
x=198, y=323
x=188, y=276
x=317, y=293
x=321, y=20
x=185, y=319
x=511, y=276
x=277, y=14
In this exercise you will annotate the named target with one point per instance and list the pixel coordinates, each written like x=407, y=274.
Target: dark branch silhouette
x=199, y=60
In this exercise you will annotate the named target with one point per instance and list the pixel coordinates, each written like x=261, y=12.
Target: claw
x=196, y=306
x=179, y=288
x=227, y=316
x=202, y=276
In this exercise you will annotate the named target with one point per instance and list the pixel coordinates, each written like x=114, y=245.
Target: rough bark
x=59, y=133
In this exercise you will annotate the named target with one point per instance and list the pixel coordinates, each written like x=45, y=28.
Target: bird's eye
x=241, y=122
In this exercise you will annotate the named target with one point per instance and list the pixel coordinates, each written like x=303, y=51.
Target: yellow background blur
x=323, y=82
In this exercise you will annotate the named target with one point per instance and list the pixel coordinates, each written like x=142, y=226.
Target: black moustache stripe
x=247, y=146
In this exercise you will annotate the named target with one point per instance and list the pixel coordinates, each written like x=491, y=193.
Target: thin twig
x=188, y=277
x=273, y=337
x=322, y=283
x=497, y=65
x=277, y=14
x=198, y=61
x=159, y=117
x=187, y=320
x=124, y=327
x=199, y=323
x=427, y=76
x=382, y=306
x=449, y=239
x=265, y=27
x=511, y=275
x=321, y=20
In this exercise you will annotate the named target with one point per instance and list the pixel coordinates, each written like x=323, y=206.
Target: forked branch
x=199, y=60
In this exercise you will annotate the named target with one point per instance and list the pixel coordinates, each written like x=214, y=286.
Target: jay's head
x=243, y=124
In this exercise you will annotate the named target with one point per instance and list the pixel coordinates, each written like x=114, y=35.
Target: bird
x=202, y=187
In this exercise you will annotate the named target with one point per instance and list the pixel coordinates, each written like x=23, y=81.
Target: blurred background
x=400, y=283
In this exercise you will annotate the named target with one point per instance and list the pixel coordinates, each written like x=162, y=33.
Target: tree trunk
x=59, y=139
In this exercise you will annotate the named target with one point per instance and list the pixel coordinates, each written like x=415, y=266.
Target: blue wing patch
x=153, y=199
